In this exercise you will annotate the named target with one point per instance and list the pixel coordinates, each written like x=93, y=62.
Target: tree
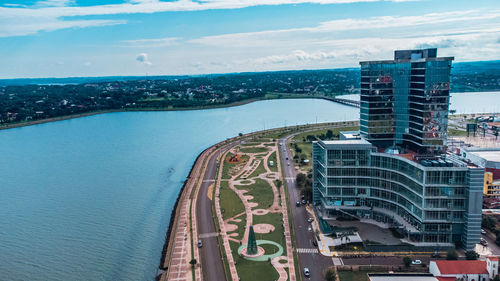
x=497, y=241
x=330, y=275
x=300, y=180
x=471, y=255
x=192, y=262
x=489, y=222
x=452, y=255
x=407, y=261
x=329, y=134
x=497, y=278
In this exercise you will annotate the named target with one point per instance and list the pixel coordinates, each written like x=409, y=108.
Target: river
x=90, y=198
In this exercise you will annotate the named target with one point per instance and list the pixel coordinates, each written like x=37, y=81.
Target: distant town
x=28, y=100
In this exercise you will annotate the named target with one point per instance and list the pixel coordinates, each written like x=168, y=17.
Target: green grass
x=270, y=144
x=269, y=249
x=277, y=235
x=273, y=168
x=300, y=137
x=455, y=132
x=253, y=149
x=231, y=204
x=260, y=170
x=241, y=227
x=252, y=270
x=353, y=276
x=227, y=167
x=262, y=193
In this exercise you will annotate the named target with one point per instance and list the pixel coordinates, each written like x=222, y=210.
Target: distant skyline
x=69, y=38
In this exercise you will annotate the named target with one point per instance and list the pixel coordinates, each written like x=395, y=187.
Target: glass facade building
x=427, y=204
x=398, y=173
x=405, y=101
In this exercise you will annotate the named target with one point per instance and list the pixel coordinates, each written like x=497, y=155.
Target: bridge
x=353, y=103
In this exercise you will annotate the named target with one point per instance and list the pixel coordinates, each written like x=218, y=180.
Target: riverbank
x=143, y=109
x=181, y=222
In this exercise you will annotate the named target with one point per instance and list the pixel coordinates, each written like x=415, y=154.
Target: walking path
x=252, y=208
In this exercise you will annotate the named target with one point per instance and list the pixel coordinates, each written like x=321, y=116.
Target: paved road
x=382, y=260
x=211, y=260
x=316, y=262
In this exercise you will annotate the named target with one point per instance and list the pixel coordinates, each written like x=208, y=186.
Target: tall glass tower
x=405, y=101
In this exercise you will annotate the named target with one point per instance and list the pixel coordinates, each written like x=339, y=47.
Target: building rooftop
x=487, y=154
x=401, y=277
x=461, y=267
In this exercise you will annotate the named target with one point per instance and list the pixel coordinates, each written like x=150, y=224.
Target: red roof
x=461, y=267
x=493, y=258
x=446, y=278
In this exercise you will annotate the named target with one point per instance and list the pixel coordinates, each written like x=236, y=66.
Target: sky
x=78, y=38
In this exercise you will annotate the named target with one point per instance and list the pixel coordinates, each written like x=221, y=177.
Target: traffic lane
x=376, y=260
x=316, y=263
x=206, y=225
x=492, y=246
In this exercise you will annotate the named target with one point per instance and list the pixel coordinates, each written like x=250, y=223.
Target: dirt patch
x=234, y=158
x=263, y=228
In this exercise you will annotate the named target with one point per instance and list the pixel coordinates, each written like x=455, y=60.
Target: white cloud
x=152, y=43
x=143, y=58
x=54, y=3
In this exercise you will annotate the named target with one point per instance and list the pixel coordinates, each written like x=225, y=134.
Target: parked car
x=304, y=202
x=416, y=262
x=306, y=272
x=483, y=231
x=309, y=229
x=297, y=204
x=315, y=244
x=200, y=244
x=483, y=242
x=310, y=220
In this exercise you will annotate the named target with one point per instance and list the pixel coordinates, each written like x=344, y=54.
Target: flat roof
x=351, y=141
x=401, y=277
x=488, y=155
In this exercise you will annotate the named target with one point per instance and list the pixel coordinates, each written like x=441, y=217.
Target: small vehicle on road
x=309, y=229
x=310, y=220
x=315, y=244
x=483, y=242
x=297, y=204
x=483, y=231
x=306, y=272
x=303, y=202
x=416, y=262
x=200, y=244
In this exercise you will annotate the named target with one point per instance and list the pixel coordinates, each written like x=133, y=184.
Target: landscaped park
x=252, y=214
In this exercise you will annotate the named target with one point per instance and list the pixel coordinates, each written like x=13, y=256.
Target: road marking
x=337, y=261
x=208, y=235
x=290, y=179
x=208, y=180
x=307, y=250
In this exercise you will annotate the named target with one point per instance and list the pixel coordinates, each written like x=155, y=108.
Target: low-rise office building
x=432, y=201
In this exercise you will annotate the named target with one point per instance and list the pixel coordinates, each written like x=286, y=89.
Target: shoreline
x=175, y=213
x=146, y=109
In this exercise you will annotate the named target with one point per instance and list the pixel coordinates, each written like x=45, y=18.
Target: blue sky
x=63, y=38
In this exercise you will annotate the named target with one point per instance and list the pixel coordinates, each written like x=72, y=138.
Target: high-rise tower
x=405, y=101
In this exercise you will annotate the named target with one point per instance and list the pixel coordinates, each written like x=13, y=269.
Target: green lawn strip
x=269, y=144
x=226, y=168
x=277, y=235
x=253, y=149
x=241, y=227
x=274, y=167
x=250, y=144
x=287, y=273
x=461, y=133
x=301, y=137
x=252, y=270
x=262, y=193
x=219, y=237
x=353, y=275
x=230, y=203
x=260, y=170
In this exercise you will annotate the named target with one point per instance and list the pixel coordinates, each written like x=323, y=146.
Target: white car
x=310, y=220
x=309, y=229
x=416, y=262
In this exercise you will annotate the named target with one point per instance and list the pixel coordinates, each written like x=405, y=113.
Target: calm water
x=466, y=103
x=90, y=198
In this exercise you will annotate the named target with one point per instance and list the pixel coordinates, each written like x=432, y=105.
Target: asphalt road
x=316, y=262
x=211, y=260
